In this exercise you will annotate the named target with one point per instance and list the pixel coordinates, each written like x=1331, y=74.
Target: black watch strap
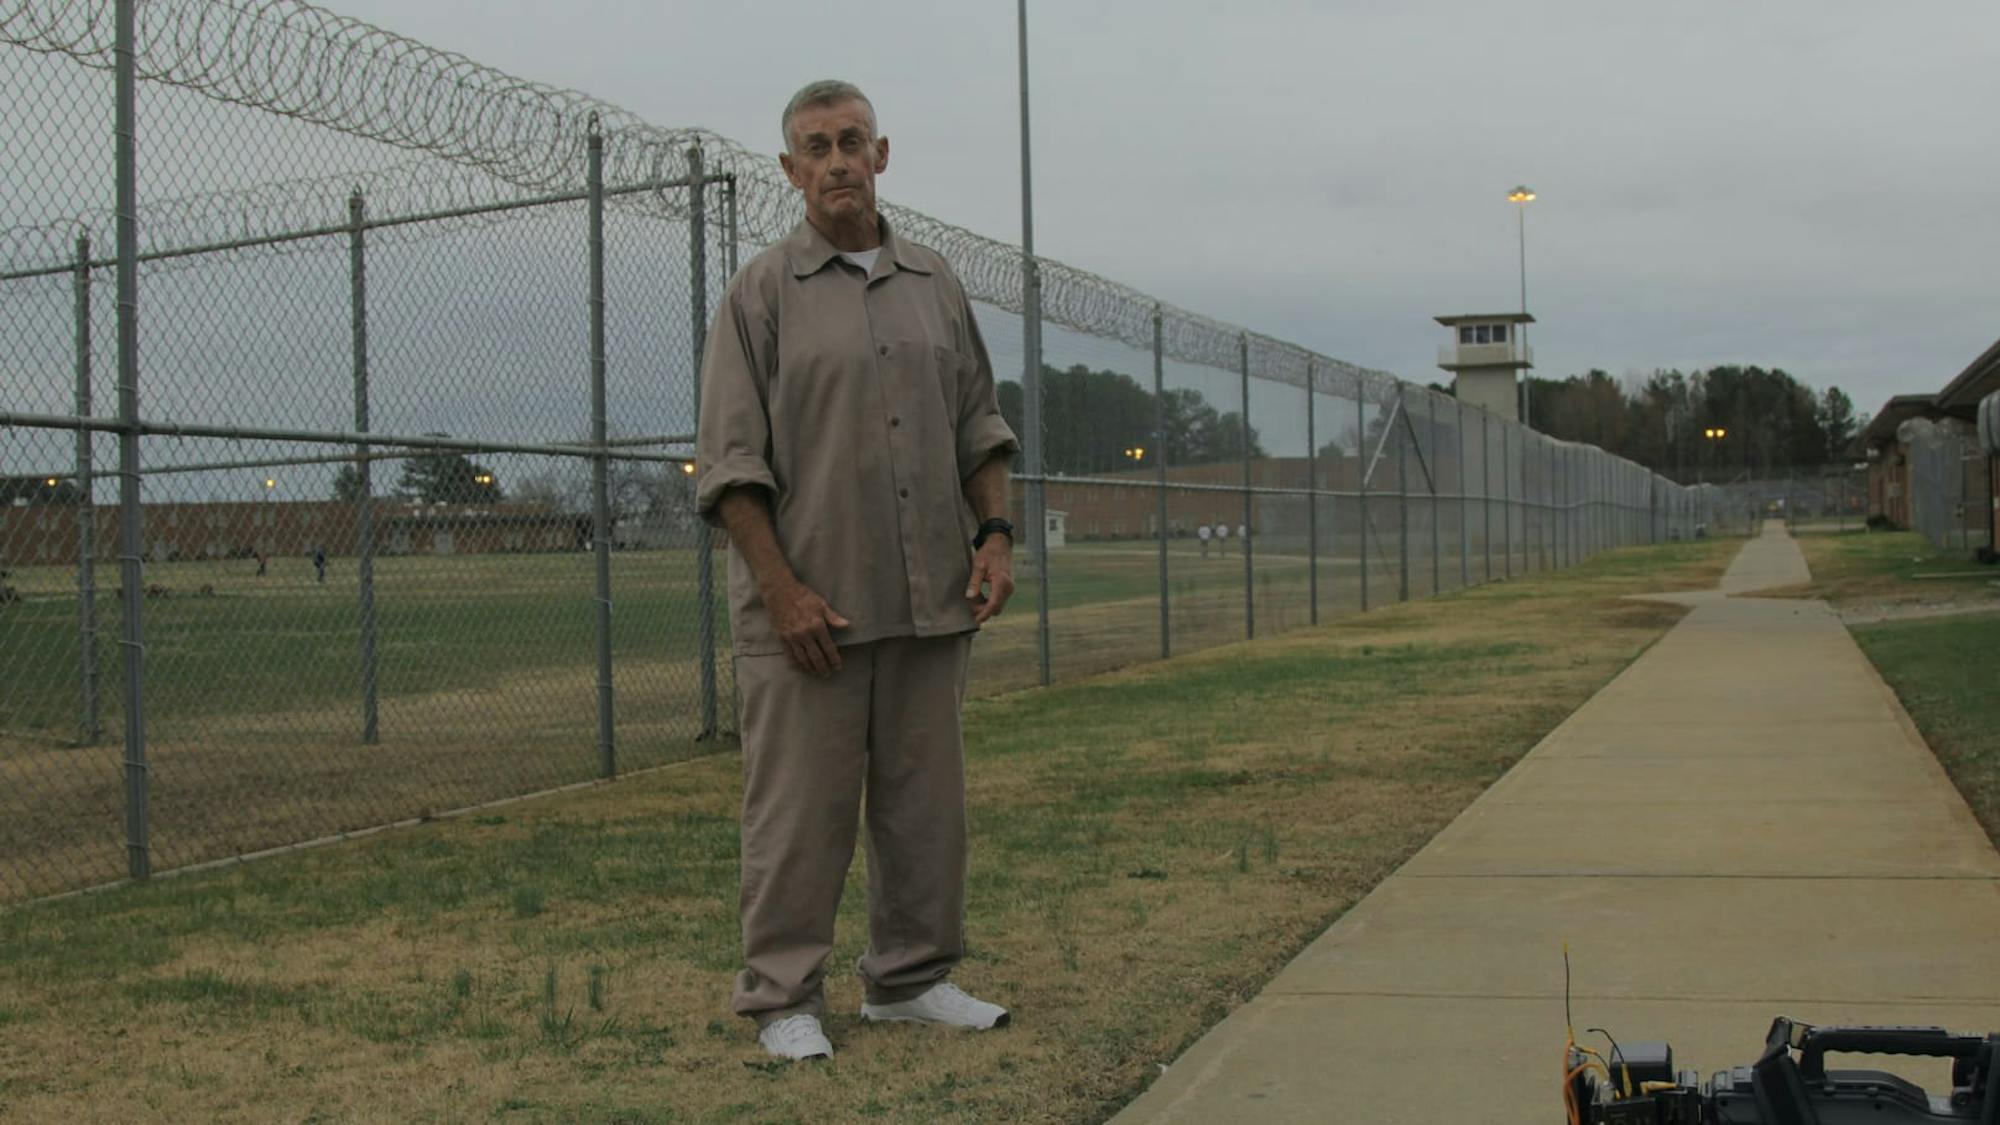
x=990, y=527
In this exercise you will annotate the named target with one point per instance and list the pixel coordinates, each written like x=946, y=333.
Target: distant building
x=1973, y=476
x=1888, y=461
x=47, y=534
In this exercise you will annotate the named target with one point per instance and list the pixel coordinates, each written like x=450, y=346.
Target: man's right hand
x=801, y=618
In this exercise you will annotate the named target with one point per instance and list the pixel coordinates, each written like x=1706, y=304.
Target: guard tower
x=1485, y=351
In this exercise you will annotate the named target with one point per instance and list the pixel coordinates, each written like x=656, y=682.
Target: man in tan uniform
x=851, y=443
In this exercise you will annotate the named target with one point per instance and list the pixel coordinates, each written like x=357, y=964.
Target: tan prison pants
x=887, y=723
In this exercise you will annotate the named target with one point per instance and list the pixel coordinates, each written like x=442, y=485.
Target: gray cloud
x=1793, y=182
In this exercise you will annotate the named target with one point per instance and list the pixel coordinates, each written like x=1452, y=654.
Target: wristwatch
x=988, y=528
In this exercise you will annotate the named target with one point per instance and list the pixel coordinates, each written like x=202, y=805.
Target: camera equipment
x=1636, y=1084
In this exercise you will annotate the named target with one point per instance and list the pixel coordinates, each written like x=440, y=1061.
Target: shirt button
x=883, y=350
x=904, y=493
x=895, y=421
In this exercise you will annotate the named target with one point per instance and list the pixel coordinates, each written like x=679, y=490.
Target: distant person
x=319, y=564
x=848, y=426
x=1204, y=534
x=260, y=563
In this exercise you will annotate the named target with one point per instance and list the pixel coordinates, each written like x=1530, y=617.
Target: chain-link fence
x=347, y=445
x=1810, y=498
x=1951, y=481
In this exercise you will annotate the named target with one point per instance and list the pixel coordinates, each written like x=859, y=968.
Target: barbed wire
x=478, y=134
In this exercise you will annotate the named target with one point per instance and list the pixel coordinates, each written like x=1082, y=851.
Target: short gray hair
x=826, y=91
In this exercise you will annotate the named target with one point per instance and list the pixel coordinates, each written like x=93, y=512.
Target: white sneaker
x=795, y=1038
x=943, y=1004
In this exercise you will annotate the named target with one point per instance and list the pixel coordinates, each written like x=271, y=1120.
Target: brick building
x=1976, y=482
x=1888, y=461
x=1196, y=495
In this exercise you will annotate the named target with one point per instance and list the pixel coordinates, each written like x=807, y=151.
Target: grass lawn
x=1149, y=846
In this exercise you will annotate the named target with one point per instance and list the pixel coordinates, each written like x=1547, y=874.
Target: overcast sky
x=1810, y=184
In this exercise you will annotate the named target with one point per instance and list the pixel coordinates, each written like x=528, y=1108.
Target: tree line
x=1105, y=422
x=1770, y=420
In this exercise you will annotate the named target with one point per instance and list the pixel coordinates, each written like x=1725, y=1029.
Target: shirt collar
x=809, y=251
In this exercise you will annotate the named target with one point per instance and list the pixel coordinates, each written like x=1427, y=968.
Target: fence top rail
x=467, y=211
x=332, y=437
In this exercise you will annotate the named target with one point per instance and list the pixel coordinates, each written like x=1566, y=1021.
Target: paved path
x=1742, y=825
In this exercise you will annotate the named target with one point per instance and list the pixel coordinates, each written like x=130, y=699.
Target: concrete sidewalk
x=1742, y=825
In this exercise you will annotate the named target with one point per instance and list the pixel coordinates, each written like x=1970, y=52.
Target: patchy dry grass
x=1869, y=575
x=1149, y=846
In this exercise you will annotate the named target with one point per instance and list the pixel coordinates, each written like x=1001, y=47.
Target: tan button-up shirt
x=860, y=404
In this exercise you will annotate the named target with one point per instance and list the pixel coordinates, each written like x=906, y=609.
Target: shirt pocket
x=954, y=370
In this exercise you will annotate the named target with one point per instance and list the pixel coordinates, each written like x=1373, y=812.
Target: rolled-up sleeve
x=982, y=431
x=733, y=434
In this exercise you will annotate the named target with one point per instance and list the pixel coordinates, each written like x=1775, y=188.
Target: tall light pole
x=1520, y=197
x=1031, y=372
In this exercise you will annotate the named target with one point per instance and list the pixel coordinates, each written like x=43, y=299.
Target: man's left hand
x=992, y=580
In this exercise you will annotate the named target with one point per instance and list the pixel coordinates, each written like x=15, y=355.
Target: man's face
x=834, y=160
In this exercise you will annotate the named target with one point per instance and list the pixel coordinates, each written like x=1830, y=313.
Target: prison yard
x=486, y=687
x=1149, y=846
x=400, y=781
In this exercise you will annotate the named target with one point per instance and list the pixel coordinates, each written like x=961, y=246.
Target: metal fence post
x=1403, y=495
x=1361, y=470
x=131, y=546
x=600, y=462
x=364, y=515
x=1486, y=489
x=1312, y=504
x=1652, y=508
x=1464, y=517
x=90, y=725
x=1249, y=533
x=1431, y=478
x=729, y=265
x=1559, y=483
x=1565, y=499
x=1160, y=469
x=1507, y=500
x=729, y=223
x=1545, y=503
x=1607, y=531
x=1031, y=452
x=698, y=320
x=1546, y=541
x=1565, y=555
x=1590, y=486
